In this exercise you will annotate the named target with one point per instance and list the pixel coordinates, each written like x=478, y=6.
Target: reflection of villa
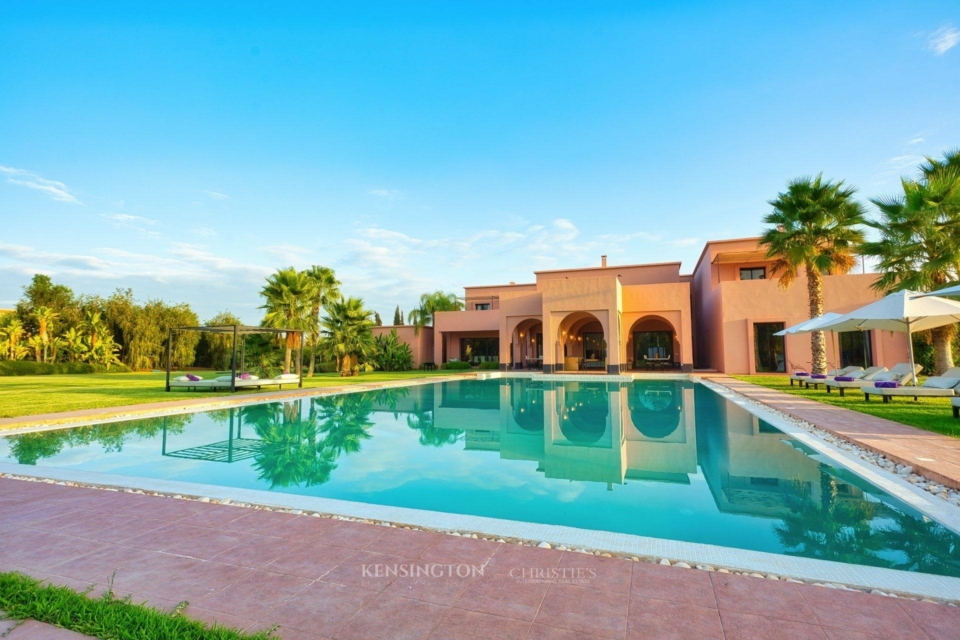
x=650, y=316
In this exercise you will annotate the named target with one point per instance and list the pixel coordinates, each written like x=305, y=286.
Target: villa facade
x=620, y=318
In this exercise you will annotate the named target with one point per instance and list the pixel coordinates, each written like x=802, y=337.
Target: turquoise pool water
x=666, y=459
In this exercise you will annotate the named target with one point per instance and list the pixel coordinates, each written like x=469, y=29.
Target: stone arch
x=652, y=324
x=570, y=346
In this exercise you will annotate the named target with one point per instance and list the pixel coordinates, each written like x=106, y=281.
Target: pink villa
x=639, y=317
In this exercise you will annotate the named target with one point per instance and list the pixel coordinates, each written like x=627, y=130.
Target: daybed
x=859, y=380
x=934, y=387
x=223, y=382
x=816, y=382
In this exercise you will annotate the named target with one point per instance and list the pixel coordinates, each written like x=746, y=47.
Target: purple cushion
x=819, y=376
x=886, y=384
x=244, y=376
x=800, y=374
x=192, y=378
x=843, y=379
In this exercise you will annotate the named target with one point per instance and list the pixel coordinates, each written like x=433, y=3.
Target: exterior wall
x=450, y=326
x=492, y=294
x=628, y=274
x=566, y=300
x=421, y=345
x=670, y=302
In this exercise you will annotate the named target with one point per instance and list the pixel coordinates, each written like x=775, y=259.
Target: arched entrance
x=582, y=343
x=652, y=343
x=528, y=345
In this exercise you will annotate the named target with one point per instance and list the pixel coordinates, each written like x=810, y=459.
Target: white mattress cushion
x=288, y=376
x=887, y=376
x=181, y=379
x=938, y=382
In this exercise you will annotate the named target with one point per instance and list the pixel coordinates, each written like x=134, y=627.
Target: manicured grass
x=22, y=598
x=932, y=414
x=31, y=395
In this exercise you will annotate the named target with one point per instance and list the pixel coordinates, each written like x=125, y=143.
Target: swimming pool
x=660, y=458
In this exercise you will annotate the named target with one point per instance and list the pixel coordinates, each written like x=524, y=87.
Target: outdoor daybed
x=804, y=376
x=859, y=380
x=223, y=382
x=944, y=386
x=816, y=382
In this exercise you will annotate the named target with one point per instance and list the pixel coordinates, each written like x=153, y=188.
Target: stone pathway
x=932, y=455
x=33, y=630
x=313, y=578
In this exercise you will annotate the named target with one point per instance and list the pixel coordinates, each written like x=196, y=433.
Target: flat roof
x=710, y=242
x=613, y=266
x=501, y=286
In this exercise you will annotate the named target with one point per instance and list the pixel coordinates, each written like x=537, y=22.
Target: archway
x=652, y=343
x=582, y=343
x=528, y=346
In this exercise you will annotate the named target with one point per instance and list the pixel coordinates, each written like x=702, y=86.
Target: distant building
x=621, y=318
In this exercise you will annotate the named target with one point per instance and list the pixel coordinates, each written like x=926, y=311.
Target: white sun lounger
x=221, y=383
x=861, y=379
x=832, y=372
x=944, y=386
x=846, y=371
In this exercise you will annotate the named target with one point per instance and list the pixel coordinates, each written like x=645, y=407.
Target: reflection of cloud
x=943, y=39
x=52, y=188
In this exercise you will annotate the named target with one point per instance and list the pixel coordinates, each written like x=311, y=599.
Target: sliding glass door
x=769, y=353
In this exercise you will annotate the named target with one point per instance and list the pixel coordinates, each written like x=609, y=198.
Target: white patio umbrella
x=903, y=311
x=813, y=324
x=949, y=291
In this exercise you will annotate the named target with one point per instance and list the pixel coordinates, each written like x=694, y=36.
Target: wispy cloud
x=385, y=193
x=215, y=195
x=913, y=141
x=287, y=253
x=206, y=232
x=52, y=188
x=943, y=39
x=896, y=166
x=684, y=242
x=137, y=223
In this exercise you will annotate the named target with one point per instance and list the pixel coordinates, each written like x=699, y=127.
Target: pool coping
x=926, y=585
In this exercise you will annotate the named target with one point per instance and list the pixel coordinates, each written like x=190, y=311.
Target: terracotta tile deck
x=932, y=455
x=307, y=576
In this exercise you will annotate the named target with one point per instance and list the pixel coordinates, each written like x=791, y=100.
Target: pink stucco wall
x=421, y=345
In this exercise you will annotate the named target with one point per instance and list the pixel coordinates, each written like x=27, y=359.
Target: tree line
x=817, y=228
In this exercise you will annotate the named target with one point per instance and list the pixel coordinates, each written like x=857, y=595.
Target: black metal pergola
x=237, y=331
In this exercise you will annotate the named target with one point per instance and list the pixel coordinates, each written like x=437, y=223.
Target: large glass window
x=768, y=348
x=753, y=273
x=477, y=350
x=593, y=346
x=855, y=349
x=654, y=346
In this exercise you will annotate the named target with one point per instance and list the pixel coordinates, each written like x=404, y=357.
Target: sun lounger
x=816, y=382
x=956, y=406
x=223, y=382
x=860, y=379
x=934, y=387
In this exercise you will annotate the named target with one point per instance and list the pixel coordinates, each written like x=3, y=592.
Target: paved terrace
x=932, y=455
x=253, y=569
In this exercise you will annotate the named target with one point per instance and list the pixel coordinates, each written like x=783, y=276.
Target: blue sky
x=187, y=151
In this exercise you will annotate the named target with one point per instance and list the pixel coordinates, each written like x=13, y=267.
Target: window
x=482, y=306
x=768, y=353
x=477, y=350
x=855, y=349
x=593, y=346
x=753, y=273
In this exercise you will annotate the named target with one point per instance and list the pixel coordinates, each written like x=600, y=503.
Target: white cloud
x=137, y=223
x=182, y=263
x=913, y=141
x=384, y=193
x=52, y=188
x=943, y=39
x=216, y=195
x=205, y=232
x=287, y=253
x=684, y=242
x=897, y=166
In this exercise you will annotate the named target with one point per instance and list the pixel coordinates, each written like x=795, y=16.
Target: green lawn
x=30, y=395
x=932, y=414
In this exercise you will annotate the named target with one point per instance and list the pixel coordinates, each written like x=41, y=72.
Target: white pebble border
x=542, y=544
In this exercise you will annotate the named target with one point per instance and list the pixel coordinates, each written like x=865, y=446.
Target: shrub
x=390, y=354
x=456, y=364
x=31, y=368
x=489, y=365
x=327, y=367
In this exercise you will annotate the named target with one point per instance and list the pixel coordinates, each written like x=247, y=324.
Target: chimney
x=513, y=284
x=603, y=261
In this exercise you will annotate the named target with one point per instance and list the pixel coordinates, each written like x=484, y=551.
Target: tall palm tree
x=36, y=343
x=44, y=317
x=326, y=290
x=919, y=245
x=814, y=230
x=12, y=334
x=431, y=303
x=345, y=331
x=75, y=344
x=289, y=295
x=96, y=329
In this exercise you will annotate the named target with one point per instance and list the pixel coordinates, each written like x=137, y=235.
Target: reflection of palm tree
x=832, y=529
x=345, y=421
x=431, y=435
x=928, y=546
x=290, y=454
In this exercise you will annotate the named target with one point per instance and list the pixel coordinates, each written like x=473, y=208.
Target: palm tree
x=431, y=303
x=75, y=344
x=44, y=317
x=289, y=294
x=345, y=331
x=95, y=328
x=814, y=230
x=919, y=245
x=12, y=334
x=326, y=290
x=36, y=343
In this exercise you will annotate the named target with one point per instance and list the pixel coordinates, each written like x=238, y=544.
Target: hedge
x=489, y=365
x=457, y=364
